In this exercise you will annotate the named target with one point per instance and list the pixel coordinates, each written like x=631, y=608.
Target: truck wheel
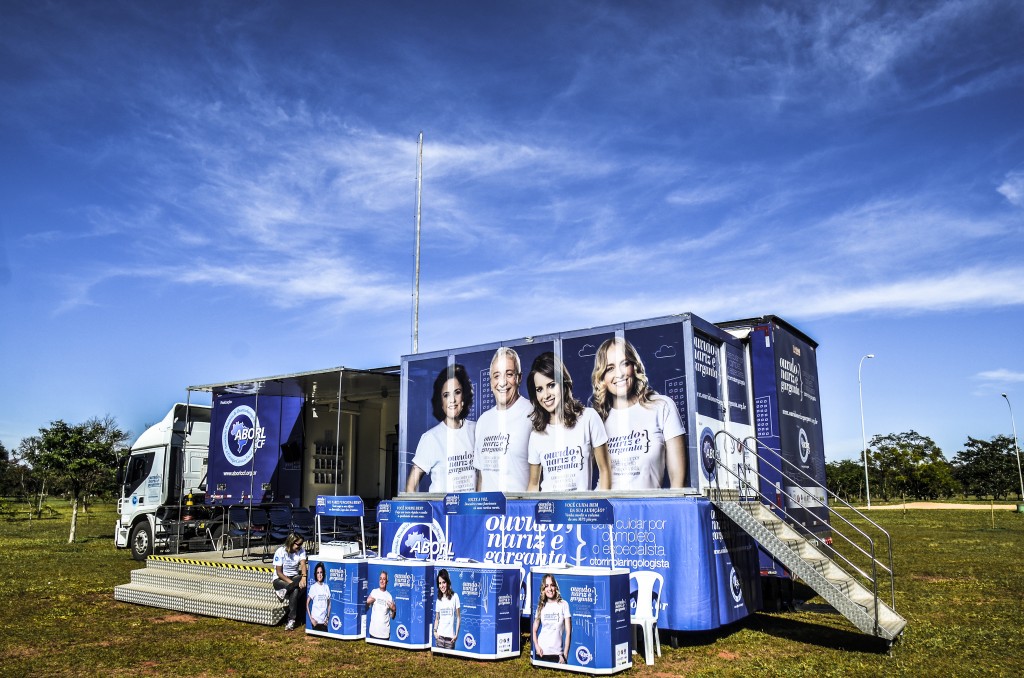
x=141, y=541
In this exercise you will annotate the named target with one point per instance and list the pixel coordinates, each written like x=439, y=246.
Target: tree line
x=911, y=465
x=75, y=461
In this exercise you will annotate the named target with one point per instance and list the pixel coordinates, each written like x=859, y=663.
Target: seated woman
x=567, y=438
x=290, y=576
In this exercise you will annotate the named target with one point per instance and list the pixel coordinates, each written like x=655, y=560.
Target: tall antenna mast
x=416, y=287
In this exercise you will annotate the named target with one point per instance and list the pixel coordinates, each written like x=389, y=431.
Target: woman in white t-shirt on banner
x=552, y=624
x=445, y=452
x=447, y=613
x=645, y=433
x=318, y=599
x=567, y=438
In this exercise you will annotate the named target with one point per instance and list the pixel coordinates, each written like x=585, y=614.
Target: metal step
x=205, y=584
x=224, y=607
x=212, y=587
x=847, y=595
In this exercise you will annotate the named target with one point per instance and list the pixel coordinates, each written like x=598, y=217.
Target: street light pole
x=863, y=435
x=1015, y=446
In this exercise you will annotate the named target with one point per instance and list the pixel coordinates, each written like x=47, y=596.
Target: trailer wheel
x=141, y=540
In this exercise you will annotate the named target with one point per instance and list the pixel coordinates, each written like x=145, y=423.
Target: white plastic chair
x=648, y=588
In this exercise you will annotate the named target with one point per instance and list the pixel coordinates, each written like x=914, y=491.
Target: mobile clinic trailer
x=290, y=438
x=709, y=569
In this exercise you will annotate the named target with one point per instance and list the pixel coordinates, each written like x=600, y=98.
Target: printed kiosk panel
x=585, y=609
x=400, y=603
x=481, y=618
x=336, y=599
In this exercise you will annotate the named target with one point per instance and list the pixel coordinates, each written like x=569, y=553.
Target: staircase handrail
x=888, y=538
x=796, y=524
x=875, y=563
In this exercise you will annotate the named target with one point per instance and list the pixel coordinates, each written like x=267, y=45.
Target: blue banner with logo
x=597, y=603
x=340, y=506
x=574, y=511
x=710, y=573
x=474, y=503
x=255, y=449
x=487, y=600
x=400, y=605
x=336, y=598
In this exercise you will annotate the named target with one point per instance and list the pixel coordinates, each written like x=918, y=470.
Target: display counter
x=590, y=605
x=336, y=597
x=481, y=619
x=400, y=613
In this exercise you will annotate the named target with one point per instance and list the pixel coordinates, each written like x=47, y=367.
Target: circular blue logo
x=734, y=583
x=413, y=540
x=402, y=632
x=335, y=622
x=240, y=436
x=469, y=641
x=707, y=453
x=805, y=446
x=583, y=655
x=135, y=500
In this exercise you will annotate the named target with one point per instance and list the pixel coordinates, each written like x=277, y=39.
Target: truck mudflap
x=120, y=535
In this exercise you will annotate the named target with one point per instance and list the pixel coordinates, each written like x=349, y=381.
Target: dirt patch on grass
x=171, y=618
x=729, y=656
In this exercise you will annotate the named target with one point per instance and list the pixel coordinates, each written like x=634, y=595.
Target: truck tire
x=141, y=540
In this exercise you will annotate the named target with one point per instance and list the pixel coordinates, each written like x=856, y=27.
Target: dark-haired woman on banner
x=568, y=439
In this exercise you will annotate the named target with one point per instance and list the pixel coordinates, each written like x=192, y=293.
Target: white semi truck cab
x=162, y=483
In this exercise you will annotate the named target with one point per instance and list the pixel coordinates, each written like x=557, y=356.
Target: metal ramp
x=856, y=595
x=206, y=585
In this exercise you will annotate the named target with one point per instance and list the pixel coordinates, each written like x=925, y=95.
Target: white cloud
x=1012, y=188
x=1001, y=375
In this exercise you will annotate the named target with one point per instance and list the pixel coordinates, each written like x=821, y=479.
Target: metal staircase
x=205, y=584
x=856, y=595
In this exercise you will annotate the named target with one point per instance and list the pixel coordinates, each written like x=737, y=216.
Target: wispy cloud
x=1012, y=188
x=1001, y=375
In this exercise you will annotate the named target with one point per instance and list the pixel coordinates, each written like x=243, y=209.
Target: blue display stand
x=487, y=620
x=598, y=600
x=710, y=566
x=344, y=576
x=411, y=585
x=346, y=580
x=489, y=609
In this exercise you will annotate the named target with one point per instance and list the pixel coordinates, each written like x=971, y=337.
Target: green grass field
x=960, y=585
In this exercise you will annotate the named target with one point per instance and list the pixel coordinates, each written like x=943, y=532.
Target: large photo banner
x=255, y=449
x=710, y=573
x=600, y=409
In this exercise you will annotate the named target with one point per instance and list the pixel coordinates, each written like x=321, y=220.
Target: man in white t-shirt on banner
x=382, y=609
x=503, y=432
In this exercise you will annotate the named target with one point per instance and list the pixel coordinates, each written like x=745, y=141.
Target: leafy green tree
x=31, y=478
x=81, y=456
x=909, y=464
x=988, y=467
x=845, y=478
x=7, y=482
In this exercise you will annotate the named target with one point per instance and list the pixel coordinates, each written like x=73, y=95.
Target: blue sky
x=202, y=192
